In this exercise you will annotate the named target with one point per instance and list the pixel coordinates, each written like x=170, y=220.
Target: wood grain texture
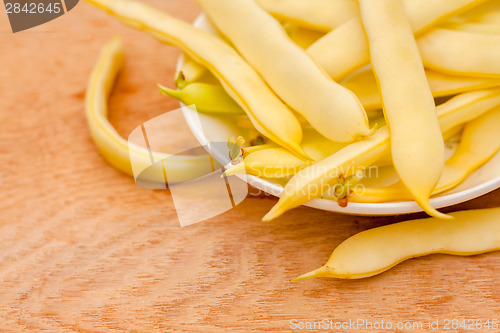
x=83, y=249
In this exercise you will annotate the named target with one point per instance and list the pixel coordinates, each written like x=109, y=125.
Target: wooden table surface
x=83, y=249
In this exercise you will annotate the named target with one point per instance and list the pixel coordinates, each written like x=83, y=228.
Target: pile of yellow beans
x=337, y=86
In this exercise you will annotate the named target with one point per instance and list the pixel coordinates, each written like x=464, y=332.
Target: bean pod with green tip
x=207, y=98
x=479, y=142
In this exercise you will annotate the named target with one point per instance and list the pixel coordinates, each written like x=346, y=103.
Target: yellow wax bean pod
x=376, y=250
x=331, y=109
x=112, y=146
x=322, y=15
x=207, y=98
x=446, y=85
x=345, y=49
x=479, y=143
x=190, y=72
x=252, y=149
x=364, y=84
x=311, y=182
x=417, y=146
x=279, y=163
x=461, y=53
x=268, y=114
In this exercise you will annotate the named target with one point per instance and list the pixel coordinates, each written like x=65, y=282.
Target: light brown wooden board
x=83, y=249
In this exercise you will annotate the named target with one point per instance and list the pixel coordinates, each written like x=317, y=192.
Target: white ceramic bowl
x=482, y=181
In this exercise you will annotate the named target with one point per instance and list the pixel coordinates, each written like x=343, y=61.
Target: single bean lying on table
x=376, y=250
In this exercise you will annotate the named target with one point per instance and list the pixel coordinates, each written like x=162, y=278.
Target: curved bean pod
x=331, y=109
x=268, y=114
x=364, y=84
x=376, y=250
